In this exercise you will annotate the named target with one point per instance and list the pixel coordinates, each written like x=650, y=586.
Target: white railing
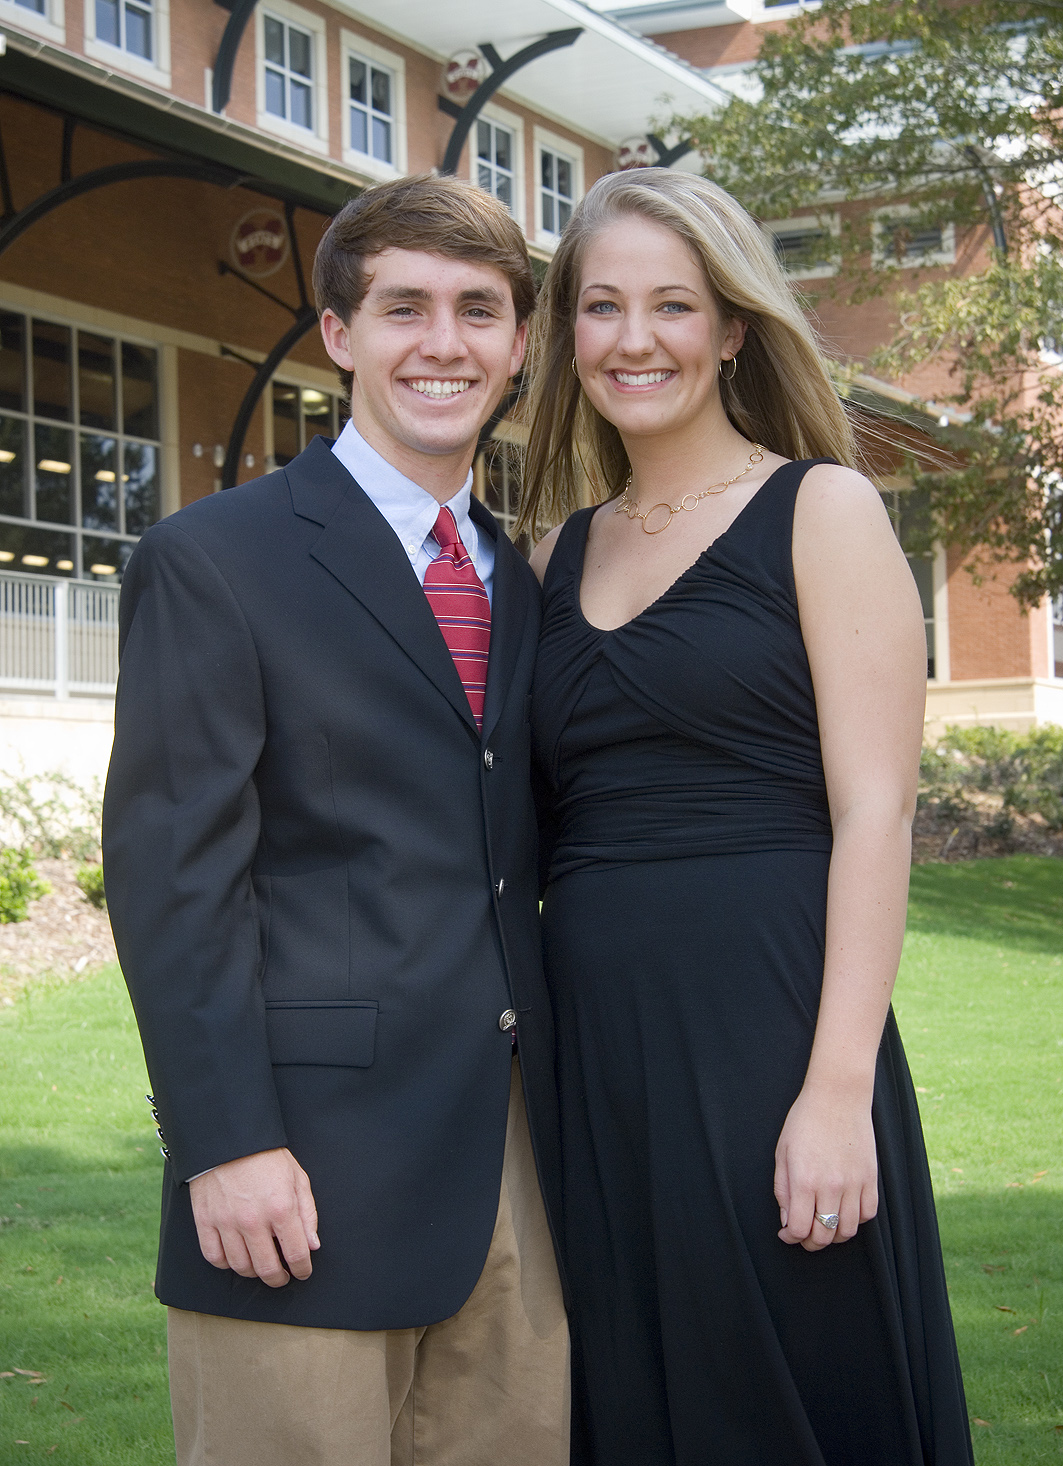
x=58, y=637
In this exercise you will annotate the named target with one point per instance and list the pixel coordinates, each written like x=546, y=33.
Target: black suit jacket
x=322, y=883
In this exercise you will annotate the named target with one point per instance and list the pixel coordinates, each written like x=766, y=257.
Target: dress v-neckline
x=577, y=579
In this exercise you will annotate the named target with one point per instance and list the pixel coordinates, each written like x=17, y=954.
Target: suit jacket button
x=489, y=759
x=500, y=886
x=508, y=1020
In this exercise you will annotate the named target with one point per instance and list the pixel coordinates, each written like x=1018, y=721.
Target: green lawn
x=980, y=1003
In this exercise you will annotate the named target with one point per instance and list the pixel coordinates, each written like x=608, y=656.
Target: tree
x=956, y=109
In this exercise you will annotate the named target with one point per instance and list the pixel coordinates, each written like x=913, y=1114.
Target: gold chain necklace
x=688, y=501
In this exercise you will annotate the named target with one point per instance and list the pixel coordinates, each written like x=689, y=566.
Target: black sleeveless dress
x=684, y=937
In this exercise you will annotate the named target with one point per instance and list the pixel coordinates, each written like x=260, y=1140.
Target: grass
x=79, y=1183
x=980, y=1002
x=980, y=1006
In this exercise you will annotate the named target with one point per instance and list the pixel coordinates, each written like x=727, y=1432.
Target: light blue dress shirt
x=412, y=511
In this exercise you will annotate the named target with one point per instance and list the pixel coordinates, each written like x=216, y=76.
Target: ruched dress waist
x=664, y=797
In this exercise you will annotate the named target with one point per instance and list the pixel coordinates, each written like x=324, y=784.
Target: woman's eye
x=675, y=307
x=600, y=307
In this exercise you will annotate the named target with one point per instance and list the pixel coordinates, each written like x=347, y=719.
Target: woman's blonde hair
x=781, y=394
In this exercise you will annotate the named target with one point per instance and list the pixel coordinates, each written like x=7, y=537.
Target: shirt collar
x=410, y=510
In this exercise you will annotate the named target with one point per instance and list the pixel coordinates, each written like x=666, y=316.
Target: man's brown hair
x=439, y=216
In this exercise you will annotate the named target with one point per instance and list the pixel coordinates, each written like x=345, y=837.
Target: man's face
x=431, y=347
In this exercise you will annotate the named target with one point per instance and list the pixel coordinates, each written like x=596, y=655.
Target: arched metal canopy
x=16, y=224
x=500, y=73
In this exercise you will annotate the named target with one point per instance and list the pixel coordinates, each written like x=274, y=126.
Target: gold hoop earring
x=729, y=376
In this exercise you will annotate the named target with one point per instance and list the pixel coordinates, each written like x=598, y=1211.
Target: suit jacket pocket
x=340, y=1032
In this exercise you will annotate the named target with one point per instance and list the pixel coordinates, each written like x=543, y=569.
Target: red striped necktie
x=458, y=599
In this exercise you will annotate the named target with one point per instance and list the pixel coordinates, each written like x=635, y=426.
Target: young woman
x=728, y=710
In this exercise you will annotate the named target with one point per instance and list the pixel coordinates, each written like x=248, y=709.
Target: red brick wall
x=989, y=635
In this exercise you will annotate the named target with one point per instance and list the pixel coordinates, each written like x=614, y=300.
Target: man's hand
x=252, y=1212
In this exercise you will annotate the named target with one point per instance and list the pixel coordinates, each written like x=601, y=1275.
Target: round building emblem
x=259, y=243
x=462, y=74
x=635, y=152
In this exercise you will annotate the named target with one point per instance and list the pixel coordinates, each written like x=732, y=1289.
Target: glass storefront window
x=79, y=450
x=140, y=486
x=12, y=361
x=99, y=486
x=13, y=480
x=299, y=414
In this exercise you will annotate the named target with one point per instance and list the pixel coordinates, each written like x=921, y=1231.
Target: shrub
x=19, y=885
x=1024, y=770
x=90, y=879
x=51, y=815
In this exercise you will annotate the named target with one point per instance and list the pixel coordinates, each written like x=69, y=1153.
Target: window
x=292, y=75
x=80, y=448
x=501, y=486
x=43, y=17
x=371, y=92
x=127, y=24
x=298, y=414
x=1057, y=636
x=373, y=88
x=289, y=71
x=898, y=242
x=496, y=161
x=132, y=35
x=805, y=247
x=557, y=184
x=908, y=510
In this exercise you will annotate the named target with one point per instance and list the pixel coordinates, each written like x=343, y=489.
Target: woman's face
x=649, y=337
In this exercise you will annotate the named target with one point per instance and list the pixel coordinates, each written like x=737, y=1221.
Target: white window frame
x=820, y=223
x=884, y=259
x=553, y=143
x=762, y=12
x=36, y=304
x=514, y=124
x=358, y=46
x=316, y=138
x=157, y=70
x=51, y=25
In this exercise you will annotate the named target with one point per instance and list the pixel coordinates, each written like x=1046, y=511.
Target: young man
x=320, y=856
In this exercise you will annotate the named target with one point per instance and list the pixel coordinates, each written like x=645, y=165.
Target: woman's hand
x=825, y=1162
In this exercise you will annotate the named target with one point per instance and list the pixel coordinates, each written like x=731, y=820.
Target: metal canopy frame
x=15, y=222
x=500, y=73
x=221, y=86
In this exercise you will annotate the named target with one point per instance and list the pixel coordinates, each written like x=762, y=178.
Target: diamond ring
x=830, y=1222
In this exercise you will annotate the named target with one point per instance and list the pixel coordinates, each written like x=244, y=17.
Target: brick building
x=166, y=169
x=988, y=661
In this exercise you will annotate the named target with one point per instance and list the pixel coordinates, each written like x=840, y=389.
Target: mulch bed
x=944, y=835
x=63, y=935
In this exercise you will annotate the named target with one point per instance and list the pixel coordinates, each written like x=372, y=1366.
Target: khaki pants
x=488, y=1387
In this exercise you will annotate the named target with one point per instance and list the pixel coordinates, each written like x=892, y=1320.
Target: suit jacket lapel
x=359, y=547
x=508, y=615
